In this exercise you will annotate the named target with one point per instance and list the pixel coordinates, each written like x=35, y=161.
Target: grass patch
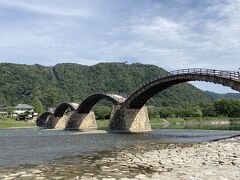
x=102, y=123
x=12, y=123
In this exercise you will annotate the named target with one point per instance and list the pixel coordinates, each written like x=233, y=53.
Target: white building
x=22, y=108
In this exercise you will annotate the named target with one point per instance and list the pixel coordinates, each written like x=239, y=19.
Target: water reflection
x=204, y=126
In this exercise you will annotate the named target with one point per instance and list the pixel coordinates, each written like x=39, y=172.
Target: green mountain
x=221, y=96
x=73, y=82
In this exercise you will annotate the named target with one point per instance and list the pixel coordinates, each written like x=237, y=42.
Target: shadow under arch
x=139, y=97
x=42, y=119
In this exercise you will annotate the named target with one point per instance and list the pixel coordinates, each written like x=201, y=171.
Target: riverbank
x=162, y=154
x=221, y=123
x=155, y=122
x=209, y=160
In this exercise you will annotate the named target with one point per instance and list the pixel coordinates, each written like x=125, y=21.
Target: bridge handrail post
x=220, y=73
x=237, y=74
x=206, y=71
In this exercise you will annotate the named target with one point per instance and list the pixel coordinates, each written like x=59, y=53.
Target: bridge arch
x=42, y=119
x=139, y=97
x=61, y=109
x=88, y=103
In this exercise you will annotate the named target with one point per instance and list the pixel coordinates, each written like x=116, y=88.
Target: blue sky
x=172, y=34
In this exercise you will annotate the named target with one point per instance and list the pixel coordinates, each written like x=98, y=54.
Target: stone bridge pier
x=55, y=122
x=43, y=119
x=129, y=120
x=82, y=121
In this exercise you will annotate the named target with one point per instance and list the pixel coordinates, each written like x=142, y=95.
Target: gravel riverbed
x=207, y=160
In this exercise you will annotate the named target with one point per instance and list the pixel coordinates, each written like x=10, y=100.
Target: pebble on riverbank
x=208, y=160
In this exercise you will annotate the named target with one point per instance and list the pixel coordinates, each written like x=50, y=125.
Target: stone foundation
x=42, y=122
x=82, y=122
x=58, y=122
x=130, y=120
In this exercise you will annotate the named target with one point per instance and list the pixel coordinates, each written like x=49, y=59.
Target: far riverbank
x=207, y=123
x=221, y=123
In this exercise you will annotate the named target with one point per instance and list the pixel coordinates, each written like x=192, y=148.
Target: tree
x=10, y=110
x=153, y=112
x=228, y=107
x=209, y=111
x=102, y=112
x=37, y=104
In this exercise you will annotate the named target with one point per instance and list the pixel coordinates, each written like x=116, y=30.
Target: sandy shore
x=195, y=161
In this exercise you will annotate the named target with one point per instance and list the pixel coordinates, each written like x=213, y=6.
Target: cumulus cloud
x=46, y=7
x=171, y=34
x=205, y=37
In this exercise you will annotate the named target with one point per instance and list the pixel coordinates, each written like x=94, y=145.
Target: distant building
x=22, y=108
x=51, y=109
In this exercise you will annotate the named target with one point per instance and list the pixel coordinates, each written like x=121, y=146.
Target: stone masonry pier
x=58, y=122
x=130, y=120
x=82, y=121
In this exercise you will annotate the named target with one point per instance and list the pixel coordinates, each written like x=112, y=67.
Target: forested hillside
x=73, y=82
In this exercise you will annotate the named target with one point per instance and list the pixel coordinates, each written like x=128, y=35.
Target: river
x=37, y=152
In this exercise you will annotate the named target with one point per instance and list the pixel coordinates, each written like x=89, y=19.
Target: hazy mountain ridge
x=221, y=96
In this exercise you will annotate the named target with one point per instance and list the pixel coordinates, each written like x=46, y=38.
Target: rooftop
x=23, y=106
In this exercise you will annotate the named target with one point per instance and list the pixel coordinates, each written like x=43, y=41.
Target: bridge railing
x=220, y=73
x=115, y=95
x=228, y=74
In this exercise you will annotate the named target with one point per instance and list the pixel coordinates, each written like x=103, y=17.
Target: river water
x=27, y=150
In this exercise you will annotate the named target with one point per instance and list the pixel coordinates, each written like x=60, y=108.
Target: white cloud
x=47, y=7
x=208, y=38
x=173, y=36
x=157, y=27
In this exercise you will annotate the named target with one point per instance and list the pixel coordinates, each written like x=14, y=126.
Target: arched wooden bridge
x=84, y=108
x=140, y=96
x=90, y=101
x=128, y=114
x=61, y=109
